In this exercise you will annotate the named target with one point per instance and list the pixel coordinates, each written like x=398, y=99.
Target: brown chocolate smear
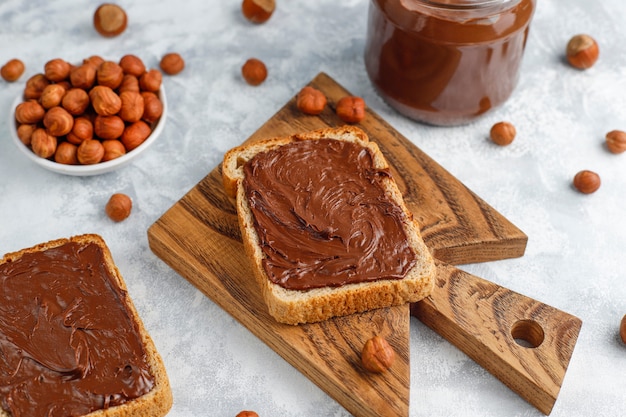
x=322, y=216
x=68, y=344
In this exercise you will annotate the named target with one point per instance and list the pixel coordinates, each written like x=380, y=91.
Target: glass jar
x=445, y=62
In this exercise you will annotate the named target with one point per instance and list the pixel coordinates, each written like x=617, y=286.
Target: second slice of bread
x=313, y=305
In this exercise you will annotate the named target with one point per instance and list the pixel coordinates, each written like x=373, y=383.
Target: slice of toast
x=296, y=306
x=91, y=311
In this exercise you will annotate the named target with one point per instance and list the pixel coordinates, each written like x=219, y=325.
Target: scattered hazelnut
x=12, y=70
x=246, y=413
x=110, y=20
x=75, y=101
x=587, y=182
x=57, y=70
x=25, y=132
x=34, y=86
x=29, y=112
x=254, y=71
x=109, y=74
x=502, y=133
x=582, y=51
x=51, y=96
x=113, y=148
x=172, y=63
x=351, y=109
x=108, y=127
x=151, y=80
x=66, y=154
x=135, y=134
x=83, y=76
x=622, y=329
x=43, y=144
x=311, y=101
x=90, y=152
x=616, y=141
x=58, y=121
x=132, y=65
x=377, y=355
x=258, y=11
x=104, y=100
x=118, y=207
x=132, y=106
x=152, y=107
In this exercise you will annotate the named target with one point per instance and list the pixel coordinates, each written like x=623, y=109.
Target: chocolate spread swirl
x=68, y=344
x=323, y=217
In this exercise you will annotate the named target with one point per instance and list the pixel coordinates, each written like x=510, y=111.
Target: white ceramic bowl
x=95, y=169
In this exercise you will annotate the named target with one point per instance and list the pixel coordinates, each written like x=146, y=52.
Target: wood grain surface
x=200, y=239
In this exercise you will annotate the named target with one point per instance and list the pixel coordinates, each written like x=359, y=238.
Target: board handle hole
x=527, y=333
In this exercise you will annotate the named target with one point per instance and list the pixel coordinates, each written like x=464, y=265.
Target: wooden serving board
x=200, y=239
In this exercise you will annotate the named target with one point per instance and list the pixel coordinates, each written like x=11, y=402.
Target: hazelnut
x=258, y=11
x=502, y=133
x=129, y=83
x=104, y=100
x=311, y=101
x=51, y=96
x=25, y=132
x=29, y=112
x=75, y=101
x=135, y=134
x=65, y=84
x=151, y=80
x=172, y=63
x=587, y=182
x=351, y=109
x=82, y=130
x=246, y=413
x=34, y=86
x=113, y=148
x=108, y=127
x=66, y=154
x=118, y=207
x=254, y=71
x=616, y=141
x=109, y=74
x=132, y=106
x=12, y=70
x=132, y=65
x=90, y=152
x=377, y=355
x=152, y=107
x=83, y=76
x=57, y=70
x=582, y=51
x=622, y=329
x=58, y=121
x=94, y=60
x=43, y=144
x=110, y=20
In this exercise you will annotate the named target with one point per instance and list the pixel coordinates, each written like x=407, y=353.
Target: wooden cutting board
x=200, y=239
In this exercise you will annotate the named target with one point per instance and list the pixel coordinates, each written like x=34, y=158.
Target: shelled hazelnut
x=247, y=413
x=377, y=355
x=503, y=133
x=587, y=182
x=110, y=20
x=12, y=70
x=98, y=101
x=254, y=71
x=616, y=141
x=351, y=109
x=622, y=329
x=172, y=63
x=310, y=101
x=118, y=207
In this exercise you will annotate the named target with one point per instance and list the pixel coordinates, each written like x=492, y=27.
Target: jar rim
x=466, y=4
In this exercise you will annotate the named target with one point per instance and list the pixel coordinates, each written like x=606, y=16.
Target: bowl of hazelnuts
x=89, y=118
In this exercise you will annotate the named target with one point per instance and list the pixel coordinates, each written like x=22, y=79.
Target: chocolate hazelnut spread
x=68, y=344
x=445, y=62
x=323, y=217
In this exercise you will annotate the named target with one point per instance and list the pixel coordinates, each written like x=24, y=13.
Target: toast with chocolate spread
x=71, y=341
x=325, y=226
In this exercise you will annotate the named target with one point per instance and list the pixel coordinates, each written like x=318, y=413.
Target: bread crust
x=296, y=307
x=158, y=401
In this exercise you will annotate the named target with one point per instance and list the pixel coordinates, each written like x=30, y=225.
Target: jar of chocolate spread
x=445, y=62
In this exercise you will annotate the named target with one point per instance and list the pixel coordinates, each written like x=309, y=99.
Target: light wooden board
x=199, y=238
